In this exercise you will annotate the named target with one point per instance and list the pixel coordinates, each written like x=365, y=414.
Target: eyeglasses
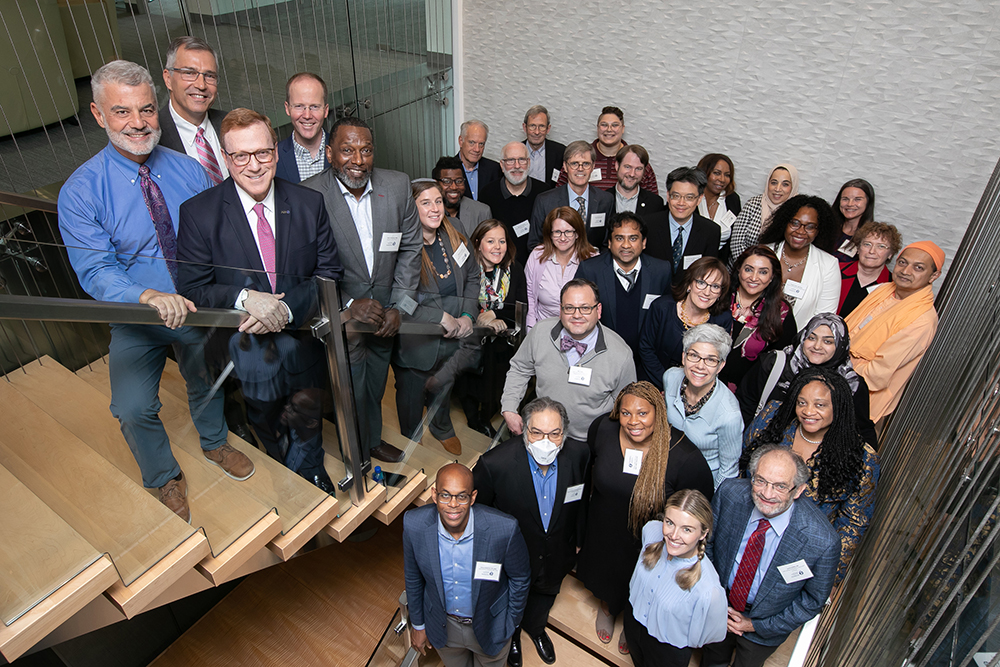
x=315, y=108
x=580, y=165
x=795, y=224
x=868, y=245
x=445, y=498
x=537, y=127
x=610, y=126
x=760, y=482
x=511, y=161
x=552, y=435
x=263, y=156
x=676, y=196
x=188, y=74
x=693, y=357
x=586, y=310
x=562, y=234
x=451, y=181
x=701, y=284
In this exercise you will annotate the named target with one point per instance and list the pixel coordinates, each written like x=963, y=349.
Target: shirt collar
x=249, y=202
x=590, y=340
x=469, y=528
x=183, y=124
x=302, y=150
x=636, y=268
x=779, y=523
x=507, y=194
x=344, y=190
x=129, y=168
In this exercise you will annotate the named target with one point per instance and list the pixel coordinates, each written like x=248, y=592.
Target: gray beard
x=351, y=183
x=517, y=182
x=117, y=139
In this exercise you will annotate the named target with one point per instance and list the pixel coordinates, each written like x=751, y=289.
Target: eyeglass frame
x=237, y=157
x=190, y=74
x=811, y=227
x=556, y=435
x=706, y=360
x=779, y=487
x=445, y=498
x=510, y=161
x=567, y=309
x=714, y=288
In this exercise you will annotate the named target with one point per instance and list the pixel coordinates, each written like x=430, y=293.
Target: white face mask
x=544, y=451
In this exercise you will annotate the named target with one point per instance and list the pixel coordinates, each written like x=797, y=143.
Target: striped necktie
x=207, y=157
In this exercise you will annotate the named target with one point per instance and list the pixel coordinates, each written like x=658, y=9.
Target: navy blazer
x=553, y=160
x=703, y=239
x=655, y=281
x=169, y=136
x=489, y=171
x=599, y=202
x=288, y=167
x=219, y=257
x=497, y=605
x=778, y=608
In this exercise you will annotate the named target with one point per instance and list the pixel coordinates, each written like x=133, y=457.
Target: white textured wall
x=903, y=93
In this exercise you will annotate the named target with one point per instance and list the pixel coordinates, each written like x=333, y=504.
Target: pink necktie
x=265, y=237
x=207, y=157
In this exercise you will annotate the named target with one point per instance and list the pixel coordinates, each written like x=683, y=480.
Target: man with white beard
x=118, y=216
x=513, y=196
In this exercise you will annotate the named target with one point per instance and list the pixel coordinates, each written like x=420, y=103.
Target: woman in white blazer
x=803, y=234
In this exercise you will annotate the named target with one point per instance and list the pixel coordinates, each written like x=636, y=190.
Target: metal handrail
x=28, y=201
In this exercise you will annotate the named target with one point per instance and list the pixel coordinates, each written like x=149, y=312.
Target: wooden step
x=235, y=523
x=574, y=614
x=345, y=524
x=150, y=546
x=567, y=652
x=397, y=504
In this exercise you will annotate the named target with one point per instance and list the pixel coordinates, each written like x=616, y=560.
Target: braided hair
x=693, y=502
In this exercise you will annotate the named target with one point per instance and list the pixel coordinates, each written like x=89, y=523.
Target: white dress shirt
x=361, y=212
x=187, y=132
x=248, y=203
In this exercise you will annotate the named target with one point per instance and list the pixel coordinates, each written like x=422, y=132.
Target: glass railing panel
x=392, y=646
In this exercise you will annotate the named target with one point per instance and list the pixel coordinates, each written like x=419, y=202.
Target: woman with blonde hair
x=676, y=601
x=554, y=262
x=638, y=461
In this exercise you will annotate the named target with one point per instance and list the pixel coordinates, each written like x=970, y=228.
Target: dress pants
x=463, y=649
x=138, y=353
x=411, y=398
x=748, y=653
x=369, y=356
x=645, y=649
x=536, y=612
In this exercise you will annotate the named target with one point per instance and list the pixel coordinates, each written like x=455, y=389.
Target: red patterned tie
x=266, y=239
x=207, y=157
x=748, y=567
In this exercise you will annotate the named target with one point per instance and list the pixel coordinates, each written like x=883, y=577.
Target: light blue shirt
x=575, y=205
x=772, y=538
x=545, y=488
x=104, y=222
x=457, y=568
x=685, y=229
x=536, y=169
x=472, y=180
x=574, y=357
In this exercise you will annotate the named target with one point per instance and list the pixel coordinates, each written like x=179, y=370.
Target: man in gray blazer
x=776, y=553
x=468, y=212
x=467, y=574
x=377, y=232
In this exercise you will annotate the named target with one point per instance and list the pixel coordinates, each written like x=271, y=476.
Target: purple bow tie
x=567, y=343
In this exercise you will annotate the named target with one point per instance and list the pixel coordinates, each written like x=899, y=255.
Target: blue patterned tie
x=157, y=206
x=678, y=251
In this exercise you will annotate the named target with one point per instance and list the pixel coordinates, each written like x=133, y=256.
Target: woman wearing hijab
x=782, y=184
x=822, y=343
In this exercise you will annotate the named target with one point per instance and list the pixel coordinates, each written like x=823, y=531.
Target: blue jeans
x=137, y=355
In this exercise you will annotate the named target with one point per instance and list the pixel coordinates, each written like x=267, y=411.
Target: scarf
x=889, y=322
x=767, y=208
x=493, y=288
x=840, y=362
x=749, y=340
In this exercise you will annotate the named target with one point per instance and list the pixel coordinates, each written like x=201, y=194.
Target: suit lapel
x=524, y=481
x=380, y=211
x=608, y=289
x=562, y=483
x=733, y=539
x=237, y=219
x=789, y=548
x=480, y=542
x=430, y=538
x=283, y=235
x=340, y=217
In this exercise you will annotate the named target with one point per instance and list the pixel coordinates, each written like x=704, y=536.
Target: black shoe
x=244, y=433
x=514, y=655
x=546, y=651
x=324, y=484
x=388, y=453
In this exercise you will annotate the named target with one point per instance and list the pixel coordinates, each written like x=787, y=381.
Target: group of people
x=680, y=351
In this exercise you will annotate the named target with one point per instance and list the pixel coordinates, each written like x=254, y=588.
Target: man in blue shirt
x=545, y=459
x=467, y=574
x=118, y=219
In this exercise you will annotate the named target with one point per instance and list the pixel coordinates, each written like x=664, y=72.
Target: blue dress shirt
x=106, y=226
x=457, y=568
x=685, y=229
x=472, y=179
x=573, y=204
x=545, y=488
x=772, y=538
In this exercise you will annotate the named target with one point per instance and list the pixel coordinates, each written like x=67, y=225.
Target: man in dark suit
x=776, y=553
x=467, y=574
x=187, y=122
x=303, y=153
x=680, y=235
x=512, y=197
x=377, y=232
x=546, y=155
x=629, y=281
x=632, y=160
x=468, y=212
x=594, y=205
x=479, y=171
x=253, y=244
x=544, y=459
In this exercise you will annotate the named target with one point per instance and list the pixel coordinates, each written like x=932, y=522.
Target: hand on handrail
x=172, y=308
x=267, y=313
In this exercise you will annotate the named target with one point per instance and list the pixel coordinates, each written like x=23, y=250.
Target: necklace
x=684, y=319
x=447, y=262
x=811, y=442
x=792, y=266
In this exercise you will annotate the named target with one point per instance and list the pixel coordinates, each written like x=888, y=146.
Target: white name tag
x=522, y=228
x=650, y=298
x=580, y=375
x=461, y=255
x=596, y=219
x=795, y=289
x=797, y=571
x=574, y=493
x=690, y=259
x=390, y=241
x=407, y=305
x=595, y=175
x=727, y=220
x=633, y=461
x=874, y=286
x=555, y=175
x=487, y=571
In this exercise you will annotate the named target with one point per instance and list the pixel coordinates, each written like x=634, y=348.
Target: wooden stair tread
x=574, y=614
x=567, y=652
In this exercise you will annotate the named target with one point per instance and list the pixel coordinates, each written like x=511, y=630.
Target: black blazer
x=502, y=479
x=219, y=258
x=599, y=202
x=648, y=203
x=489, y=171
x=655, y=280
x=288, y=167
x=554, y=152
x=171, y=139
x=703, y=240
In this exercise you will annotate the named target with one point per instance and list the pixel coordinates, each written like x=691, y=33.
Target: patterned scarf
x=492, y=294
x=839, y=362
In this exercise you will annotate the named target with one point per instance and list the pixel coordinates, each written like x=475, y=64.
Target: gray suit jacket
x=394, y=274
x=470, y=214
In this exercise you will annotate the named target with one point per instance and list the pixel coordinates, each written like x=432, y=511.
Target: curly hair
x=880, y=230
x=840, y=456
x=693, y=502
x=770, y=323
x=826, y=236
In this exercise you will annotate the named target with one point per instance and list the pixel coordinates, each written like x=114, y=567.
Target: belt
x=461, y=619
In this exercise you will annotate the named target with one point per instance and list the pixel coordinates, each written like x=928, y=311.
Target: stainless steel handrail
x=28, y=201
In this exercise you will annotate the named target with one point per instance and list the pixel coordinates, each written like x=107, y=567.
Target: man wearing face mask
x=545, y=459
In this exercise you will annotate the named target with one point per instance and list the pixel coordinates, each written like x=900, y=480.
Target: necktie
x=581, y=206
x=568, y=343
x=265, y=237
x=748, y=567
x=629, y=278
x=679, y=251
x=158, y=212
x=207, y=157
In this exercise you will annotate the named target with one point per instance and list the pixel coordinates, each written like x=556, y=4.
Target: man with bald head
x=479, y=171
x=513, y=196
x=472, y=559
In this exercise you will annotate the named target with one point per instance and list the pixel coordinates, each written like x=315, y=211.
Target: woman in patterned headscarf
x=782, y=184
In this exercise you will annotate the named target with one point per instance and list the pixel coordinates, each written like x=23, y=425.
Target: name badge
x=795, y=289
x=797, y=571
x=521, y=228
x=390, y=241
x=690, y=259
x=461, y=255
x=727, y=220
x=596, y=219
x=595, y=175
x=407, y=305
x=580, y=375
x=574, y=493
x=650, y=298
x=633, y=461
x=555, y=175
x=487, y=571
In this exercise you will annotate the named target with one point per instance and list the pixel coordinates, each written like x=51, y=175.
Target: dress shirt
x=621, y=278
x=457, y=568
x=361, y=212
x=248, y=203
x=720, y=213
x=104, y=221
x=623, y=203
x=472, y=179
x=575, y=205
x=187, y=131
x=685, y=229
x=574, y=357
x=609, y=172
x=772, y=538
x=307, y=164
x=537, y=168
x=545, y=281
x=545, y=488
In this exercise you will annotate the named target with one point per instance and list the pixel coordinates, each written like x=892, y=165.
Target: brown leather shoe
x=173, y=494
x=386, y=452
x=452, y=445
x=232, y=461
